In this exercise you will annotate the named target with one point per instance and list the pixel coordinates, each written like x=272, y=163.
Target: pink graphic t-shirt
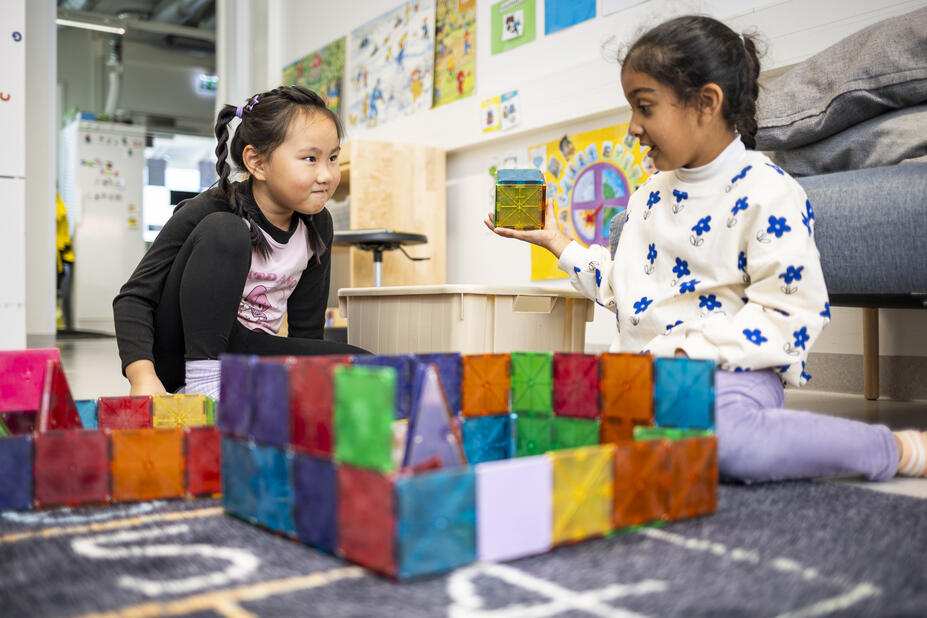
x=271, y=280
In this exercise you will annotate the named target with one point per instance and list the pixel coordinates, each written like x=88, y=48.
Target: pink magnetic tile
x=514, y=508
x=22, y=376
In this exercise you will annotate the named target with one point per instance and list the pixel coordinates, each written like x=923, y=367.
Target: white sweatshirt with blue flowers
x=717, y=261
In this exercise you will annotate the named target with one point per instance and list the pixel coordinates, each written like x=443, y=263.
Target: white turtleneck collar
x=731, y=156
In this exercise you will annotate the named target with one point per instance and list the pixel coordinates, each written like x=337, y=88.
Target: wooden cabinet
x=393, y=186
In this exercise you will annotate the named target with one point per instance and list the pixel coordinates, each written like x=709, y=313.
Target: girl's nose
x=635, y=129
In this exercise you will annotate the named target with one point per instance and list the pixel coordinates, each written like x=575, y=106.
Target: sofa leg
x=871, y=353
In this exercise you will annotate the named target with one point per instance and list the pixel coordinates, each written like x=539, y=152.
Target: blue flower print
x=688, y=286
x=681, y=269
x=709, y=302
x=670, y=327
x=702, y=225
x=826, y=312
x=777, y=168
x=792, y=274
x=680, y=195
x=651, y=253
x=627, y=217
x=742, y=174
x=744, y=299
x=576, y=269
x=801, y=337
x=784, y=368
x=741, y=369
x=778, y=226
x=742, y=261
x=808, y=216
x=654, y=198
x=805, y=376
x=598, y=277
x=641, y=305
x=754, y=336
x=739, y=205
x=809, y=210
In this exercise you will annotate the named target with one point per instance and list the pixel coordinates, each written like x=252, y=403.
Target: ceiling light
x=90, y=26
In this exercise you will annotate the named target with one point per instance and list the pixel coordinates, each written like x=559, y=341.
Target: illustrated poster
x=322, y=71
x=392, y=65
x=590, y=177
x=512, y=24
x=455, y=50
x=560, y=14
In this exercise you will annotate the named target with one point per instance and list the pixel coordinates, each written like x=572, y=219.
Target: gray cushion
x=870, y=228
x=888, y=139
x=878, y=69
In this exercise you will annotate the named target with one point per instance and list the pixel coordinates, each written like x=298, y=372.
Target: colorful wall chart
x=392, y=65
x=512, y=24
x=560, y=14
x=321, y=71
x=455, y=50
x=590, y=176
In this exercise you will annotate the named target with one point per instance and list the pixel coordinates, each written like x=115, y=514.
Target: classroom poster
x=510, y=105
x=392, y=65
x=455, y=50
x=590, y=177
x=322, y=71
x=560, y=14
x=490, y=116
x=511, y=24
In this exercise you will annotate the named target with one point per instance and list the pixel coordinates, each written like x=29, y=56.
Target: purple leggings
x=760, y=440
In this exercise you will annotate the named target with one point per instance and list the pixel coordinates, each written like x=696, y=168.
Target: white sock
x=203, y=377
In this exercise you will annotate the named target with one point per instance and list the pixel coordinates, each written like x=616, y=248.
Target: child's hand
x=551, y=238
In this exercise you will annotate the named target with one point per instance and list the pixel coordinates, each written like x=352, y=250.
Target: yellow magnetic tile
x=583, y=493
x=179, y=411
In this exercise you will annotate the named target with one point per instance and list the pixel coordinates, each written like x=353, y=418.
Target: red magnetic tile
x=147, y=464
x=576, y=385
x=366, y=519
x=124, y=412
x=485, y=385
x=626, y=384
x=311, y=402
x=695, y=477
x=71, y=468
x=642, y=482
x=204, y=461
x=57, y=410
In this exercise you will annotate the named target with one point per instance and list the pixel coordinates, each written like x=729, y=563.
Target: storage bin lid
x=482, y=290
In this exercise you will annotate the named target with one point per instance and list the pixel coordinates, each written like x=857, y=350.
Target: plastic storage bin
x=470, y=319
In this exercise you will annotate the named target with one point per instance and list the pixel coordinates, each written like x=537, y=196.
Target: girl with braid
x=716, y=260
x=232, y=261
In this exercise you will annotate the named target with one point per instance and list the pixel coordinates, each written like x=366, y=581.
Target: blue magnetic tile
x=489, y=438
x=436, y=515
x=275, y=489
x=236, y=399
x=450, y=368
x=520, y=176
x=87, y=409
x=403, y=364
x=315, y=502
x=270, y=422
x=15, y=472
x=684, y=393
x=239, y=482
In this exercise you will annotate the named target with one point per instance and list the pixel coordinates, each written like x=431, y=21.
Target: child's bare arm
x=143, y=380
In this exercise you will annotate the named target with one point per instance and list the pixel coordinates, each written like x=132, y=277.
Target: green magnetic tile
x=533, y=435
x=574, y=432
x=532, y=382
x=668, y=433
x=364, y=412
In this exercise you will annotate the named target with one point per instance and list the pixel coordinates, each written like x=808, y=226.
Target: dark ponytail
x=688, y=52
x=265, y=119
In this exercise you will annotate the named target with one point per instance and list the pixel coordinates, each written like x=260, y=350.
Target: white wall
x=567, y=84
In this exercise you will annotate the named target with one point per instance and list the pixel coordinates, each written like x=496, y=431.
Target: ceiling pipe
x=137, y=25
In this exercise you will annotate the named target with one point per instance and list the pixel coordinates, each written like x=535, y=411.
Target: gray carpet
x=799, y=549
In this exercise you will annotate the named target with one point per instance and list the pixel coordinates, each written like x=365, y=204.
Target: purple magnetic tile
x=270, y=422
x=15, y=472
x=514, y=508
x=403, y=364
x=315, y=501
x=432, y=434
x=450, y=368
x=236, y=398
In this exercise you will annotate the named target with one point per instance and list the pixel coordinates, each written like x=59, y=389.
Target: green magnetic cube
x=520, y=199
x=364, y=413
x=668, y=433
x=574, y=432
x=533, y=435
x=532, y=383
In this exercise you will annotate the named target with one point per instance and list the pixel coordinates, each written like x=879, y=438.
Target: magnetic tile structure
x=520, y=199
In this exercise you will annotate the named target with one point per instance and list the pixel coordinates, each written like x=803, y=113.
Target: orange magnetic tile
x=583, y=486
x=618, y=430
x=642, y=482
x=626, y=385
x=694, y=489
x=485, y=384
x=147, y=464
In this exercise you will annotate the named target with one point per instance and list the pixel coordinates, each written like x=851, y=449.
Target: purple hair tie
x=238, y=111
x=254, y=101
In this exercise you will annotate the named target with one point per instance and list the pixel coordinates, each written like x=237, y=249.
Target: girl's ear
x=710, y=100
x=254, y=162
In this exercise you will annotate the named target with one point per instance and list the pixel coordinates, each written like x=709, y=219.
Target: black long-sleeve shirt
x=135, y=306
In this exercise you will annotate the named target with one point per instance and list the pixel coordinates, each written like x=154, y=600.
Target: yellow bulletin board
x=590, y=176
